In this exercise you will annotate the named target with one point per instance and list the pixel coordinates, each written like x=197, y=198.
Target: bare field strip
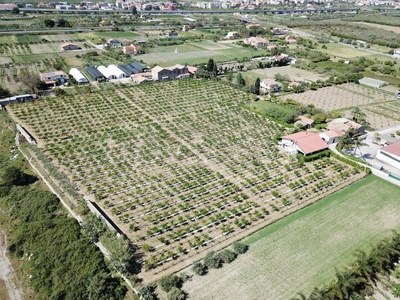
x=179, y=166
x=386, y=27
x=294, y=74
x=302, y=250
x=342, y=96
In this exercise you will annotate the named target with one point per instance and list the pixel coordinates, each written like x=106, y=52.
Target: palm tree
x=359, y=142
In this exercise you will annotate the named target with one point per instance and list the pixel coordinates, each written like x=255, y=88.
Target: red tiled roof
x=392, y=149
x=333, y=133
x=306, y=120
x=307, y=142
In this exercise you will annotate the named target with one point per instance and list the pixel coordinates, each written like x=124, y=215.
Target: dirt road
x=7, y=276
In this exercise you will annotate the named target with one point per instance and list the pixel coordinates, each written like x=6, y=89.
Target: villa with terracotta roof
x=269, y=85
x=51, y=78
x=303, y=142
x=390, y=154
x=257, y=42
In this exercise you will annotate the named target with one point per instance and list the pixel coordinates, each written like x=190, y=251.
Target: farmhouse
x=69, y=46
x=304, y=122
x=95, y=74
x=373, y=82
x=331, y=136
x=269, y=85
x=343, y=125
x=303, y=142
x=390, y=154
x=52, y=78
x=131, y=49
x=257, y=42
x=176, y=71
x=231, y=35
x=78, y=76
x=112, y=43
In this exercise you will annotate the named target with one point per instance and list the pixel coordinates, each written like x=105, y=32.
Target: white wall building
x=390, y=155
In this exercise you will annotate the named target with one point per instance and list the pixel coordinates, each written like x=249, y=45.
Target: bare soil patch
x=294, y=74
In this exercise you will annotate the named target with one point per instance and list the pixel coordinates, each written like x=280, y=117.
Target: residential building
x=390, y=154
x=131, y=49
x=176, y=71
x=113, y=43
x=257, y=42
x=69, y=46
x=303, y=142
x=343, y=125
x=52, y=78
x=331, y=136
x=185, y=28
x=232, y=35
x=269, y=85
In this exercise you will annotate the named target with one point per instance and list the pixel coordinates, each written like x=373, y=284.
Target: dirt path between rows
x=7, y=275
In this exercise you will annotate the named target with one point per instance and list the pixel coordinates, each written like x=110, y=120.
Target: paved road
x=7, y=274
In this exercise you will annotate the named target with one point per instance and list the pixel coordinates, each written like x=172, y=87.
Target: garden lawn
x=302, y=250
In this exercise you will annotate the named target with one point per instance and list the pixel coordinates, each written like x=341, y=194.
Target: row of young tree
x=357, y=280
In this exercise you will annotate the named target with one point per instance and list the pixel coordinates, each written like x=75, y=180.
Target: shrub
x=170, y=281
x=239, y=247
x=59, y=92
x=227, y=256
x=176, y=294
x=199, y=269
x=212, y=260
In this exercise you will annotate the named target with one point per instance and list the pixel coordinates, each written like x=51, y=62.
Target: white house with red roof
x=390, y=154
x=304, y=142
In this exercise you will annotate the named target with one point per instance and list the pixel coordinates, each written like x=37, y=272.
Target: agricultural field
x=179, y=166
x=197, y=52
x=380, y=107
x=292, y=73
x=303, y=250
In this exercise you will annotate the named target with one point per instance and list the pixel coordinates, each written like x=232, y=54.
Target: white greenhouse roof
x=373, y=82
x=78, y=76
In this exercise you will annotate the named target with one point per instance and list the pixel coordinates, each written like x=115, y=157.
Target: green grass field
x=302, y=250
x=28, y=39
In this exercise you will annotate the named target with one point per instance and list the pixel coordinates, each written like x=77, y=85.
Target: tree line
x=60, y=261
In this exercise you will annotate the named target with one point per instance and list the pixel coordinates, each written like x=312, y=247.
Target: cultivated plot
x=301, y=251
x=338, y=97
x=179, y=165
